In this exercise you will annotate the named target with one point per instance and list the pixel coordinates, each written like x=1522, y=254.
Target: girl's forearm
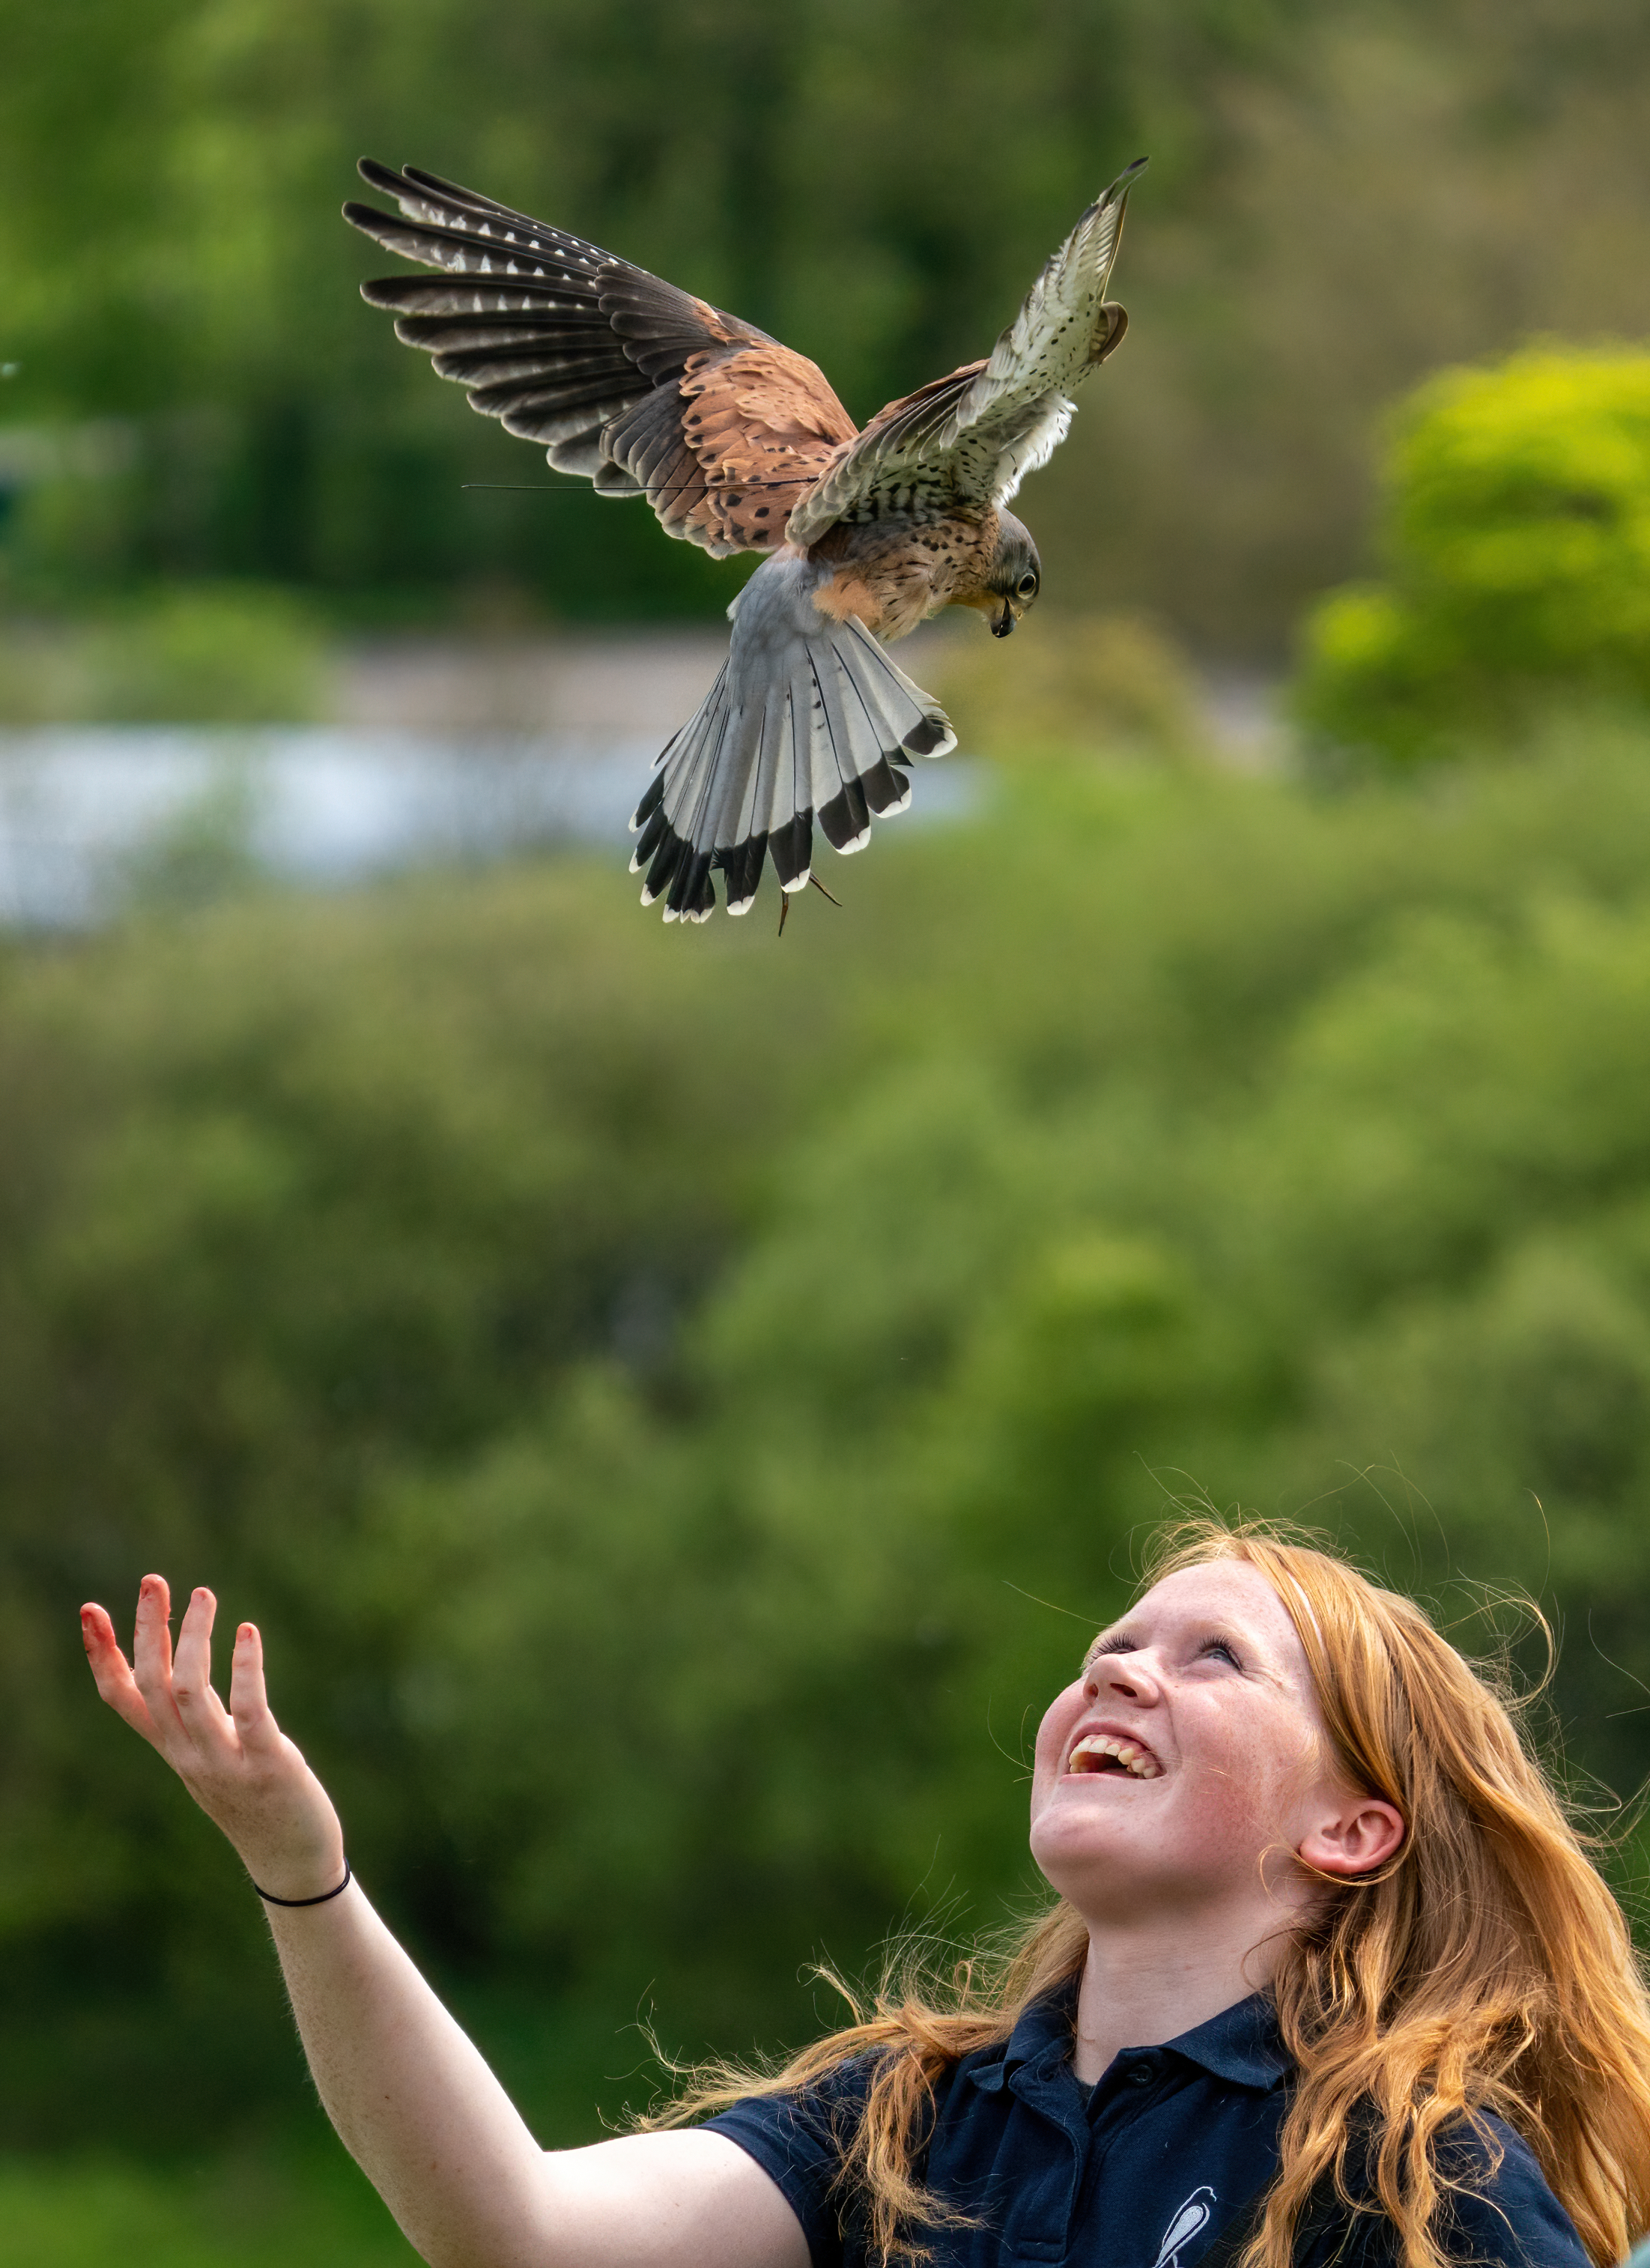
x=435, y=2132
x=416, y=2105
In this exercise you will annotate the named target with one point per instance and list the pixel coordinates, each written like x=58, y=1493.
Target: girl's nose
x=1129, y=1677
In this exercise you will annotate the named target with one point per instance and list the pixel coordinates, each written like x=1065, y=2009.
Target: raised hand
x=236, y=1761
x=412, y=2099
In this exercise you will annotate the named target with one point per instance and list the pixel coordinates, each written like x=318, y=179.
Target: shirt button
x=1141, y=2075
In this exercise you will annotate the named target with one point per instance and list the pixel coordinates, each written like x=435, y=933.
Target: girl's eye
x=1118, y=1645
x=1219, y=1645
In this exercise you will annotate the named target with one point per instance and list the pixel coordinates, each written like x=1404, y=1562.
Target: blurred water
x=86, y=810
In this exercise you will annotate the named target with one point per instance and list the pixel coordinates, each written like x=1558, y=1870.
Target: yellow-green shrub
x=1517, y=539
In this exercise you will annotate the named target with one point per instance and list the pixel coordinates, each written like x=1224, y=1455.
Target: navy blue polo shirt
x=1147, y=2169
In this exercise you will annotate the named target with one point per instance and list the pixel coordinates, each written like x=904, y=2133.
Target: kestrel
x=739, y=445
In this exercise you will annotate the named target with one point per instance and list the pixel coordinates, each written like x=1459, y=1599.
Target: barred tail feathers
x=810, y=722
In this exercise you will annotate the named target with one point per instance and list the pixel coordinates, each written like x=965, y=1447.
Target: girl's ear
x=1354, y=1839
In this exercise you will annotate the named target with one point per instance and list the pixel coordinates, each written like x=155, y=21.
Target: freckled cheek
x=1227, y=1808
x=1242, y=1799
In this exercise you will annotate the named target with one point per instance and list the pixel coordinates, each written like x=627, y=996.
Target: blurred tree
x=1518, y=538
x=173, y=222
x=1339, y=200
x=674, y=1413
x=1398, y=187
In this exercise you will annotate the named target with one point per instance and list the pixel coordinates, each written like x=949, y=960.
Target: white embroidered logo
x=1189, y=2221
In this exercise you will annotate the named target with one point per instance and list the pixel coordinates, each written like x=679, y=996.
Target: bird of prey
x=739, y=445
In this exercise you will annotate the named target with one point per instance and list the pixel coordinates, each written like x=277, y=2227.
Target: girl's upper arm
x=1514, y=2217
x=670, y=2200
x=1495, y=2214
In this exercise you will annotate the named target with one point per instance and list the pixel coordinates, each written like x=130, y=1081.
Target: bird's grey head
x=1015, y=576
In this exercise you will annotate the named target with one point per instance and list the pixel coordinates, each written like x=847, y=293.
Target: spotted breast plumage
x=739, y=445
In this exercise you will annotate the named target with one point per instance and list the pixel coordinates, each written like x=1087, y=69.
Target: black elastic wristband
x=270, y=1898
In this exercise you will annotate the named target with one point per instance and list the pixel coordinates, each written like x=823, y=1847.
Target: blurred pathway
x=624, y=687
x=435, y=753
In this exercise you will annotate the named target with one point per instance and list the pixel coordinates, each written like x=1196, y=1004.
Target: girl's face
x=1224, y=1769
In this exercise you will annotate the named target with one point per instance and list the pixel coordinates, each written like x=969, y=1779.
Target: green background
x=677, y=1405
x=1340, y=199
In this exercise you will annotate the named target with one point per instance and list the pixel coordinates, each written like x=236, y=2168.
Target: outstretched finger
x=249, y=1698
x=204, y=1716
x=113, y=1673
x=152, y=1649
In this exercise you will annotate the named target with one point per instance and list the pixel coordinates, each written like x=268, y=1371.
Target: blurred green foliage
x=1518, y=543
x=242, y=2208
x=172, y=219
x=213, y=653
x=1106, y=683
x=676, y=1406
x=231, y=654
x=1340, y=200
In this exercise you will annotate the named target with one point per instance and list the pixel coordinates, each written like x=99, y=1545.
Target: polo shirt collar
x=1044, y=2027
x=1241, y=2044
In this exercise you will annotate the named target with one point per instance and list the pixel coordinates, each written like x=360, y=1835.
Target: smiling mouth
x=1104, y=1752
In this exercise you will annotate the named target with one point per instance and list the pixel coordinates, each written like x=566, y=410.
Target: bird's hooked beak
x=1005, y=621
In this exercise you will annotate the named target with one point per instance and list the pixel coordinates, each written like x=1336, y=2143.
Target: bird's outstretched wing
x=965, y=442
x=641, y=387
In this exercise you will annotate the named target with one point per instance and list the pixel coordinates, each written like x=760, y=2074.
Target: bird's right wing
x=965, y=442
x=640, y=387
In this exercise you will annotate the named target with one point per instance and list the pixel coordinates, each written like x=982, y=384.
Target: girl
x=1327, y=1978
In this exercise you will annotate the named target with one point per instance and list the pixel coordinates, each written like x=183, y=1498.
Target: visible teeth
x=1128, y=1753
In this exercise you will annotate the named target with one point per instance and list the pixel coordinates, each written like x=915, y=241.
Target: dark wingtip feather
x=844, y=822
x=652, y=836
x=666, y=860
x=790, y=847
x=887, y=790
x=692, y=891
x=932, y=736
x=367, y=218
x=1115, y=192
x=742, y=866
x=652, y=796
x=387, y=293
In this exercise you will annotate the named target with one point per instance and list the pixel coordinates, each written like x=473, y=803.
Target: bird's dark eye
x=1027, y=586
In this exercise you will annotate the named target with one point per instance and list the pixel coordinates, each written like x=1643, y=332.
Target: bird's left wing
x=639, y=385
x=965, y=442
